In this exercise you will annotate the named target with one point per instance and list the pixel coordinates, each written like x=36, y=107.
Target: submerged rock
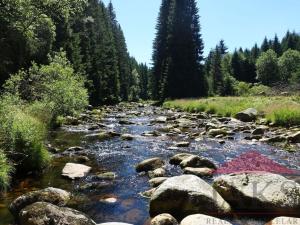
x=149, y=164
x=247, y=115
x=106, y=176
x=43, y=213
x=185, y=195
x=73, y=170
x=260, y=192
x=164, y=219
x=200, y=219
x=197, y=162
x=52, y=195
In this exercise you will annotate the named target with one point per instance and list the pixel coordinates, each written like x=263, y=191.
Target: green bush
x=56, y=86
x=242, y=88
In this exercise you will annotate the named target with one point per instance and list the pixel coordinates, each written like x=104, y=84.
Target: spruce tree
x=265, y=45
x=216, y=72
x=277, y=46
x=184, y=75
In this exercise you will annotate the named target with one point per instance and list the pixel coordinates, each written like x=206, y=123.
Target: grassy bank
x=283, y=111
x=29, y=109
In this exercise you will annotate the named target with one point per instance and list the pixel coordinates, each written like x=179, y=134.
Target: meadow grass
x=281, y=110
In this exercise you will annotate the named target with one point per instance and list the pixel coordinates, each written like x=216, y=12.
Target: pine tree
x=223, y=48
x=216, y=72
x=276, y=46
x=265, y=45
x=255, y=51
x=122, y=53
x=160, y=47
x=184, y=72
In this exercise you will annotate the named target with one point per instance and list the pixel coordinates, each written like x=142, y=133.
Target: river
x=119, y=156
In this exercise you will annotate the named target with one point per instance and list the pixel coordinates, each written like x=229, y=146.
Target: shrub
x=56, y=85
x=242, y=88
x=289, y=63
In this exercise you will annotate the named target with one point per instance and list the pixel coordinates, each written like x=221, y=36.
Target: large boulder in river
x=200, y=172
x=187, y=194
x=52, y=195
x=197, y=162
x=164, y=219
x=73, y=170
x=200, y=219
x=149, y=165
x=247, y=115
x=262, y=192
x=43, y=213
x=284, y=221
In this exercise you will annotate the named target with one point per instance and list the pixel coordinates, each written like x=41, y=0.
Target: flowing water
x=119, y=156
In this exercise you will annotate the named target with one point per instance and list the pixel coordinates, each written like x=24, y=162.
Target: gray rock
x=127, y=137
x=149, y=164
x=185, y=195
x=263, y=192
x=200, y=219
x=73, y=170
x=159, y=172
x=216, y=132
x=164, y=219
x=259, y=130
x=161, y=119
x=182, y=144
x=177, y=159
x=247, y=115
x=155, y=182
x=43, y=213
x=199, y=172
x=284, y=221
x=197, y=162
x=106, y=176
x=148, y=193
x=52, y=195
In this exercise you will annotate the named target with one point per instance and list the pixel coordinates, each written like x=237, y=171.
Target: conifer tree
x=277, y=46
x=265, y=45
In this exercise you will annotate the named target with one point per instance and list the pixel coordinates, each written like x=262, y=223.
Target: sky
x=240, y=23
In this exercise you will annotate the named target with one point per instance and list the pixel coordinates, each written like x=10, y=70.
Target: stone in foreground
x=149, y=165
x=52, y=195
x=73, y=170
x=185, y=195
x=260, y=193
x=164, y=219
x=42, y=213
x=284, y=220
x=247, y=115
x=200, y=219
x=155, y=182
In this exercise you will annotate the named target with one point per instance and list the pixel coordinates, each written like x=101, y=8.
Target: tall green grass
x=5, y=171
x=283, y=111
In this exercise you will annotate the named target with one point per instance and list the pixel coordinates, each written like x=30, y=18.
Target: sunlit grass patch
x=283, y=111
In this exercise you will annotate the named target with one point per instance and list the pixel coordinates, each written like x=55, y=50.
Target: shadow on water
x=119, y=200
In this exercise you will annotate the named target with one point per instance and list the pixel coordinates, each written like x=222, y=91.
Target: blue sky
x=240, y=23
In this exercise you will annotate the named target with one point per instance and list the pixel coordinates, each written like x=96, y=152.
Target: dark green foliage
x=177, y=54
x=216, y=73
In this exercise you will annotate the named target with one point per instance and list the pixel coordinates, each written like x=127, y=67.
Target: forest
x=61, y=60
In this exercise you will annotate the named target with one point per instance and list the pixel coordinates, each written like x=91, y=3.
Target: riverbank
x=279, y=110
x=113, y=140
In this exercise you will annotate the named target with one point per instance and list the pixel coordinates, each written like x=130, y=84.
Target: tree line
x=86, y=30
x=180, y=69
